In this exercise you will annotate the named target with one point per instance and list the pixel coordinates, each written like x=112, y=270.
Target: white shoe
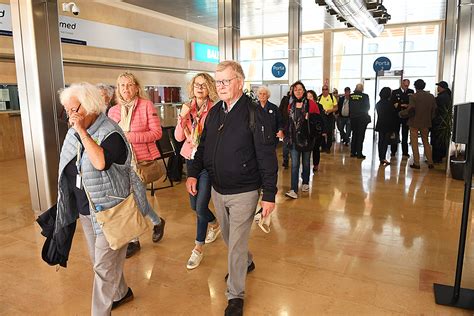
x=194, y=260
x=291, y=194
x=212, y=234
x=305, y=188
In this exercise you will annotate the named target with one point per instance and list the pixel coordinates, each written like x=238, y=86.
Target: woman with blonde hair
x=137, y=117
x=202, y=93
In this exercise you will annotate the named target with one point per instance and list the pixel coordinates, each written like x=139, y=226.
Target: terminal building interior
x=365, y=239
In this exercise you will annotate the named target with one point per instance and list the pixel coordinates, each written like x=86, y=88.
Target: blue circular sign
x=278, y=69
x=382, y=63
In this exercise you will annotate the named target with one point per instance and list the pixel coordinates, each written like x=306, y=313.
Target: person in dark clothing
x=237, y=148
x=311, y=95
x=443, y=105
x=400, y=99
x=387, y=123
x=284, y=114
x=263, y=94
x=343, y=121
x=359, y=106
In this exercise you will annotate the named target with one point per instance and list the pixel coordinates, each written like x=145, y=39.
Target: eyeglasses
x=225, y=82
x=64, y=116
x=200, y=86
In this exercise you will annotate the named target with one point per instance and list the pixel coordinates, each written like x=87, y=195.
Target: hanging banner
x=89, y=33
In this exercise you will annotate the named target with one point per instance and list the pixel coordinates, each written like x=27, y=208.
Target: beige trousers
x=426, y=145
x=109, y=283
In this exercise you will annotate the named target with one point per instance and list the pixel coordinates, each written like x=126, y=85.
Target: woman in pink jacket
x=202, y=92
x=137, y=117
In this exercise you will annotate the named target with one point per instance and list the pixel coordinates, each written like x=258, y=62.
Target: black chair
x=167, y=147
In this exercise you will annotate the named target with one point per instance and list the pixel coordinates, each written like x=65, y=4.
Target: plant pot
x=456, y=165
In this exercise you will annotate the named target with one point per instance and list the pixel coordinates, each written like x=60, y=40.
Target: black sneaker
x=132, y=248
x=250, y=268
x=127, y=298
x=235, y=307
x=158, y=231
x=414, y=166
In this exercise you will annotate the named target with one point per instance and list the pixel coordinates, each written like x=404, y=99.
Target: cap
x=443, y=84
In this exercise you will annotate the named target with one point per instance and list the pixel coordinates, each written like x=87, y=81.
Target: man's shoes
x=250, y=268
x=353, y=155
x=414, y=166
x=235, y=307
x=291, y=194
x=127, y=298
x=430, y=166
x=158, y=231
x=360, y=157
x=194, y=260
x=315, y=168
x=385, y=163
x=132, y=248
x=285, y=164
x=346, y=144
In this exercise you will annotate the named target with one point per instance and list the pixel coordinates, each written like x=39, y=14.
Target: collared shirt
x=229, y=108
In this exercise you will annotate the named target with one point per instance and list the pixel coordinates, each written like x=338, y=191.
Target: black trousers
x=358, y=125
x=326, y=144
x=316, y=151
x=405, y=129
x=439, y=151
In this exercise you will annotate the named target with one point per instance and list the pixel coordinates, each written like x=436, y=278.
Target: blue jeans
x=200, y=204
x=295, y=167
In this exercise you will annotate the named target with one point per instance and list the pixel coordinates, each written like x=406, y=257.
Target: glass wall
x=311, y=61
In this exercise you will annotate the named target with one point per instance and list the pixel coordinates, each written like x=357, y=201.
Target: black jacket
x=359, y=105
x=340, y=104
x=387, y=117
x=399, y=97
x=277, y=118
x=238, y=159
x=57, y=246
x=443, y=105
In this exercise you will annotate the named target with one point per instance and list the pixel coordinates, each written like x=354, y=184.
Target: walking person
x=311, y=95
x=387, y=124
x=423, y=104
x=300, y=136
x=203, y=94
x=137, y=117
x=237, y=149
x=263, y=94
x=329, y=103
x=343, y=121
x=359, y=106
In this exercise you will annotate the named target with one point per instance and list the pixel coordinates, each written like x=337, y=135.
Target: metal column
x=229, y=29
x=294, y=40
x=39, y=71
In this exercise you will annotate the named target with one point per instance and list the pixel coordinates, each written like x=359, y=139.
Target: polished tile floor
x=366, y=240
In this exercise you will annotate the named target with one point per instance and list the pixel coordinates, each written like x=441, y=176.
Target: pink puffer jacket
x=145, y=129
x=183, y=122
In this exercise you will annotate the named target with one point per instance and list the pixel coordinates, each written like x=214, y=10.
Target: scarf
x=196, y=127
x=126, y=111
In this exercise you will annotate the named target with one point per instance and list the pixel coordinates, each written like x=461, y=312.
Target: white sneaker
x=291, y=194
x=212, y=234
x=305, y=187
x=194, y=260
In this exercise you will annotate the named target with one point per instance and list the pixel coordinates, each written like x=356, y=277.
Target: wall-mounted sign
x=278, y=69
x=89, y=33
x=382, y=63
x=204, y=52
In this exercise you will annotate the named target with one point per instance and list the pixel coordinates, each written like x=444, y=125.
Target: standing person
x=443, y=105
x=300, y=136
x=359, y=106
x=94, y=151
x=108, y=95
x=263, y=94
x=237, y=149
x=387, y=123
x=401, y=99
x=423, y=104
x=311, y=95
x=203, y=94
x=343, y=121
x=138, y=119
x=329, y=103
x=284, y=113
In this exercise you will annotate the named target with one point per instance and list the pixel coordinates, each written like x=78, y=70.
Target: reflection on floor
x=364, y=240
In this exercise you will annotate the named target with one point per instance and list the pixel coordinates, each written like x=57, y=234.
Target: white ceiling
x=267, y=17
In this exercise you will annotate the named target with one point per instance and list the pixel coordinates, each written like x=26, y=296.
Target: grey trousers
x=235, y=213
x=109, y=283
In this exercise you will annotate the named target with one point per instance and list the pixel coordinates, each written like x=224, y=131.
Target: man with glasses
x=237, y=148
x=329, y=103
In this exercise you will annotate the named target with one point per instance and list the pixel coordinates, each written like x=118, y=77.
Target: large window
x=311, y=60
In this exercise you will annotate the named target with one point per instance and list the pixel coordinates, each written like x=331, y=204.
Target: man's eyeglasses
x=200, y=86
x=225, y=82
